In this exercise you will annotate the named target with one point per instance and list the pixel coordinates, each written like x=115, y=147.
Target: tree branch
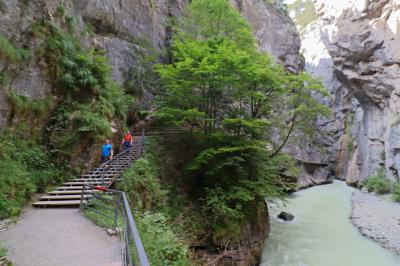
x=286, y=138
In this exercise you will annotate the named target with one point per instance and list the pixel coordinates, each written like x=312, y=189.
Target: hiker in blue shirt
x=107, y=151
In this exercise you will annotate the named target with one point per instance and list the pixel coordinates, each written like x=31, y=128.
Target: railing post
x=103, y=174
x=82, y=196
x=116, y=211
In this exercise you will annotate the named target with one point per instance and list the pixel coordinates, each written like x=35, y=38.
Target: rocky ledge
x=377, y=219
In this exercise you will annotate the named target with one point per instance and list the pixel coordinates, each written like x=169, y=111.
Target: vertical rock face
x=363, y=40
x=276, y=32
x=330, y=148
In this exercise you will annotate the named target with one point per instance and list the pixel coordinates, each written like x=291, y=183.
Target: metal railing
x=155, y=131
x=128, y=153
x=111, y=208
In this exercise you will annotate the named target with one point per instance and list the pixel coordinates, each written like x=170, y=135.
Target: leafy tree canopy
x=247, y=106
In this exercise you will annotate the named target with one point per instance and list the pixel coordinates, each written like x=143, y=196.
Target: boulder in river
x=286, y=216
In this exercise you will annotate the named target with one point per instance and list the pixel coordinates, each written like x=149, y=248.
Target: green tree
x=247, y=106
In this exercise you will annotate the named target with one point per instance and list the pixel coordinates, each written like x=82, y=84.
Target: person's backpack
x=128, y=137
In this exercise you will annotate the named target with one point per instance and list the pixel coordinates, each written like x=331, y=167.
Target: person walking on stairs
x=106, y=151
x=127, y=142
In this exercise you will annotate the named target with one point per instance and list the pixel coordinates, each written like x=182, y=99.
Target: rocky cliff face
x=362, y=38
x=125, y=27
x=327, y=156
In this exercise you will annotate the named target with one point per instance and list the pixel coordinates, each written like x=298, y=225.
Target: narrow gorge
x=264, y=99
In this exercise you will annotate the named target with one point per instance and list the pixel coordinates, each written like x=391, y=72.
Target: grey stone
x=361, y=38
x=111, y=232
x=287, y=217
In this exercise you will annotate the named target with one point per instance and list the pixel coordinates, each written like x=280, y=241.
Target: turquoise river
x=321, y=233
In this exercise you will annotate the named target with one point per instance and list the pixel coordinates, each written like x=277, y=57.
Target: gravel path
x=62, y=237
x=378, y=219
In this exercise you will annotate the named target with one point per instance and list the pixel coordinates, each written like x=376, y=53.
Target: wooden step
x=91, y=179
x=65, y=197
x=58, y=203
x=70, y=188
x=82, y=183
x=98, y=174
x=69, y=192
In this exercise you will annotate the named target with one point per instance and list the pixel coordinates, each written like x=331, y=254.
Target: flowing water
x=321, y=233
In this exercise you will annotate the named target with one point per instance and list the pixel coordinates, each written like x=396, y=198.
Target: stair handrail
x=122, y=198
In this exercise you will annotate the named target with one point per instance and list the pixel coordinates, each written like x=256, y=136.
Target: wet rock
x=286, y=216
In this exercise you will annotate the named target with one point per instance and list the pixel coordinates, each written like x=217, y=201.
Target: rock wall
x=124, y=27
x=327, y=156
x=362, y=38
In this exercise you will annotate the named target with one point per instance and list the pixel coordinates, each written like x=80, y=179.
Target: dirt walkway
x=62, y=237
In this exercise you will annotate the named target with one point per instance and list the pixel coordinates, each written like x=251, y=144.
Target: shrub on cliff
x=396, y=192
x=159, y=240
x=15, y=187
x=142, y=186
x=91, y=102
x=377, y=183
x=25, y=167
x=10, y=53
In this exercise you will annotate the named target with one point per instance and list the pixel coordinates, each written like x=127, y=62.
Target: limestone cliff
x=328, y=155
x=362, y=39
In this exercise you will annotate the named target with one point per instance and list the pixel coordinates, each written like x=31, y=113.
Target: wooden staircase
x=70, y=193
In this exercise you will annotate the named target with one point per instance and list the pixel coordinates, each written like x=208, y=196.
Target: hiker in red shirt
x=127, y=141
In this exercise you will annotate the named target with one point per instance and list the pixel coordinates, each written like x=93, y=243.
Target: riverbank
x=321, y=232
x=377, y=219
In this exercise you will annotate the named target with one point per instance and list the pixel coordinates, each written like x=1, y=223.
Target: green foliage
x=235, y=176
x=25, y=167
x=15, y=187
x=72, y=122
x=396, y=192
x=3, y=78
x=81, y=74
x=101, y=212
x=142, y=185
x=350, y=146
x=247, y=106
x=377, y=183
x=22, y=103
x=91, y=100
x=60, y=11
x=3, y=252
x=215, y=19
x=11, y=54
x=77, y=70
x=161, y=244
x=305, y=13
